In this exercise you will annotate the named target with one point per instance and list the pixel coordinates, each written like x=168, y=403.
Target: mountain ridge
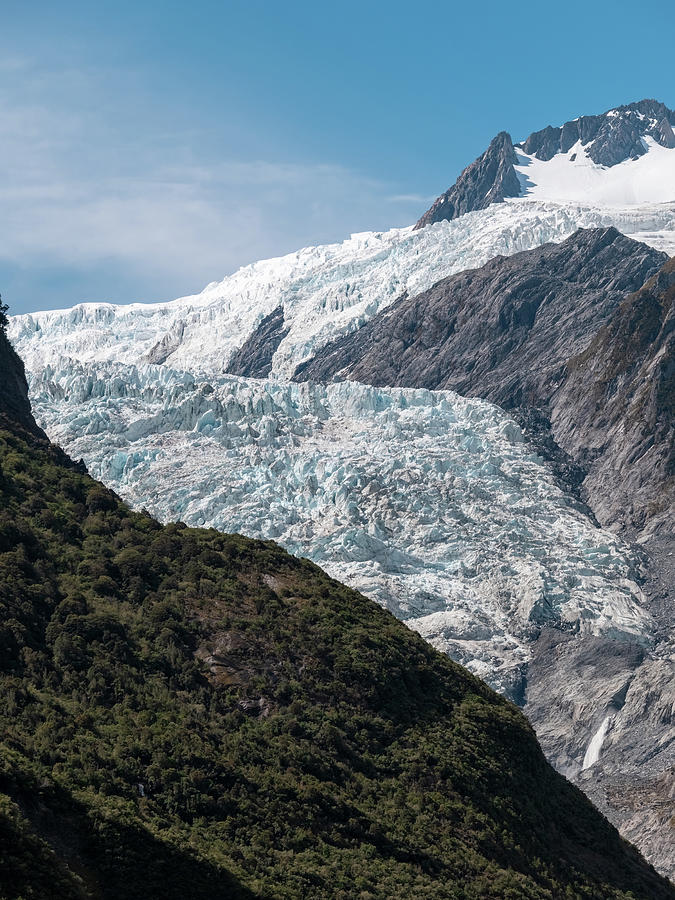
x=605, y=140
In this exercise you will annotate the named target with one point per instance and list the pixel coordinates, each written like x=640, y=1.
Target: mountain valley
x=469, y=420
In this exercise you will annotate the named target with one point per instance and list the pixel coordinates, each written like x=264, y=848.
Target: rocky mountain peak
x=488, y=180
x=608, y=139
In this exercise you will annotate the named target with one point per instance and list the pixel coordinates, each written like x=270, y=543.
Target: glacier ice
x=428, y=502
x=325, y=291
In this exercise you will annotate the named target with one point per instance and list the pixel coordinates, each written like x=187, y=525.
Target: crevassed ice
x=325, y=291
x=428, y=502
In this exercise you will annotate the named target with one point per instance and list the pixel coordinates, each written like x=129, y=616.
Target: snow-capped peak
x=582, y=151
x=574, y=176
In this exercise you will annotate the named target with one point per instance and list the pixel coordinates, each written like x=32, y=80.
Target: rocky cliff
x=615, y=410
x=488, y=180
x=14, y=402
x=254, y=358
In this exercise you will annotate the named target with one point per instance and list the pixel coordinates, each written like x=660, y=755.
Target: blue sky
x=148, y=148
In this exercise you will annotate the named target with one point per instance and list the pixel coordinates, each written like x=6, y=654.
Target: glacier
x=428, y=502
x=324, y=291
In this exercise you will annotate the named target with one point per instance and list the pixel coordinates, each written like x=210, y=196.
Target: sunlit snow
x=574, y=177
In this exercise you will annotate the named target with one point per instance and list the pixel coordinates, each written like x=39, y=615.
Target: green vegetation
x=188, y=714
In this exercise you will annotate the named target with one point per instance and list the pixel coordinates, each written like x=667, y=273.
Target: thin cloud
x=414, y=199
x=76, y=193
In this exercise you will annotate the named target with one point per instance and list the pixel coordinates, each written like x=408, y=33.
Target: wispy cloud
x=78, y=193
x=412, y=199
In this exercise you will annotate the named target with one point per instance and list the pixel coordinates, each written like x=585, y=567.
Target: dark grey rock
x=666, y=136
x=488, y=180
x=633, y=782
x=504, y=331
x=14, y=402
x=615, y=411
x=254, y=357
x=167, y=345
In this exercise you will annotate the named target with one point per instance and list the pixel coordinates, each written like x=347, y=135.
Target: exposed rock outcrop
x=615, y=410
x=490, y=179
x=14, y=402
x=254, y=357
x=610, y=138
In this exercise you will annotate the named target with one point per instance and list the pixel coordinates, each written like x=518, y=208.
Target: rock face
x=254, y=358
x=488, y=180
x=14, y=402
x=503, y=332
x=629, y=697
x=615, y=410
x=610, y=138
x=551, y=334
x=606, y=140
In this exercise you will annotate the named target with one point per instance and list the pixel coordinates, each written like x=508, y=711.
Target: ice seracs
x=323, y=291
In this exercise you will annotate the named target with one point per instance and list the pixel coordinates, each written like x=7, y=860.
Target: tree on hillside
x=3, y=315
